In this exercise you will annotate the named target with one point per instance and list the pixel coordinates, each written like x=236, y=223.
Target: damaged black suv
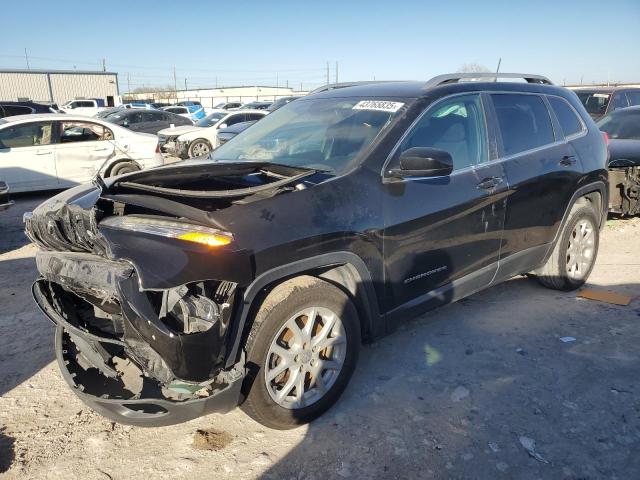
x=252, y=277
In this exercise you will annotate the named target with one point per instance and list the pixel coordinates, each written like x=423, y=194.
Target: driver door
x=442, y=234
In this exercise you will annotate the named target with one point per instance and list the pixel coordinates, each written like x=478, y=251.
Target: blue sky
x=261, y=42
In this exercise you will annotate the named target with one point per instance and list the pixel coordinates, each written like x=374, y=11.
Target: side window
x=524, y=122
x=232, y=120
x=71, y=132
x=135, y=118
x=566, y=116
x=634, y=97
x=151, y=117
x=456, y=126
x=26, y=135
x=9, y=110
x=619, y=100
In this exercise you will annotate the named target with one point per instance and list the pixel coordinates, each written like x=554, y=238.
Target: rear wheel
x=301, y=352
x=122, y=168
x=199, y=148
x=574, y=254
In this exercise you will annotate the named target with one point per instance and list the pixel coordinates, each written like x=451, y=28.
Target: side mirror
x=125, y=123
x=224, y=125
x=424, y=162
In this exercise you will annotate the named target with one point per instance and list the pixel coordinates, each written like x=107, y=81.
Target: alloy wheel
x=199, y=149
x=305, y=358
x=581, y=248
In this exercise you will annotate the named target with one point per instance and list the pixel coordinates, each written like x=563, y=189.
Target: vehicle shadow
x=460, y=391
x=6, y=451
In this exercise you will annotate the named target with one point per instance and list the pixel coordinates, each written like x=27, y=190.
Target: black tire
x=199, y=148
x=122, y=168
x=555, y=273
x=281, y=305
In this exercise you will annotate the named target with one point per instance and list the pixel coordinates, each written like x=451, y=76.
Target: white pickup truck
x=86, y=106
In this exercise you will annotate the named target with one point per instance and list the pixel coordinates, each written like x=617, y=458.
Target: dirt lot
x=483, y=388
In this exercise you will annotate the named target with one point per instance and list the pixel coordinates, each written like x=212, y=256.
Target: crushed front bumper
x=172, y=146
x=125, y=362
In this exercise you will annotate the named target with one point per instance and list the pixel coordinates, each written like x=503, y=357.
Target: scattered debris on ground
x=605, y=296
x=211, y=439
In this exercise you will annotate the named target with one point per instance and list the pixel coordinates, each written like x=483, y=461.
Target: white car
x=89, y=107
x=47, y=151
x=199, y=140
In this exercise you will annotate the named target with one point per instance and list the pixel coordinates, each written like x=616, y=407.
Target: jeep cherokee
x=252, y=277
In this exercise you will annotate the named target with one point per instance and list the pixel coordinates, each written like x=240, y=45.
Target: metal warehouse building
x=58, y=86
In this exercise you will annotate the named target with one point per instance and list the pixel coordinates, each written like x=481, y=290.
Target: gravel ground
x=483, y=388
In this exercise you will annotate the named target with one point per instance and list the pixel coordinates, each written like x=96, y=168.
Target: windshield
x=594, y=103
x=622, y=125
x=326, y=134
x=211, y=120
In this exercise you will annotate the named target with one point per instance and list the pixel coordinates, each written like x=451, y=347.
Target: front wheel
x=199, y=148
x=301, y=352
x=574, y=255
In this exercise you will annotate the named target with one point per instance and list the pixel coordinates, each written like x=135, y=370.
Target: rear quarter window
x=524, y=122
x=566, y=115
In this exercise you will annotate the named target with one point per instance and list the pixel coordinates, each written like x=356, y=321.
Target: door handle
x=100, y=149
x=567, y=161
x=489, y=183
x=43, y=152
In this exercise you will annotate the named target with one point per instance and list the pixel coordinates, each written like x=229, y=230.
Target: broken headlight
x=164, y=228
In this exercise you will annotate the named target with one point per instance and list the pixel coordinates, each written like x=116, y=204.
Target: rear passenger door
x=542, y=169
x=83, y=146
x=444, y=231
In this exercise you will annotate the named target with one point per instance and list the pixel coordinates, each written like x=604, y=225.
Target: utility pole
x=104, y=64
x=26, y=57
x=277, y=80
x=327, y=73
x=175, y=82
x=336, y=71
x=128, y=83
x=185, y=83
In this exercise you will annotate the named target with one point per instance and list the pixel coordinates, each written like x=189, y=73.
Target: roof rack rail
x=333, y=86
x=457, y=77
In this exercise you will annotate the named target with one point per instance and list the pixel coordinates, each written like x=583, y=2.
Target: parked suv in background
x=601, y=101
x=623, y=130
x=9, y=109
x=254, y=278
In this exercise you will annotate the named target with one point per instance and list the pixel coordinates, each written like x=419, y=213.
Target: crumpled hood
x=181, y=130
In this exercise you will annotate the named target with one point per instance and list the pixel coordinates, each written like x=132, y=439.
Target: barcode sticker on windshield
x=601, y=95
x=380, y=105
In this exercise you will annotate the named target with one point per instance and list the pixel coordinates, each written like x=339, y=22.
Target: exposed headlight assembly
x=164, y=228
